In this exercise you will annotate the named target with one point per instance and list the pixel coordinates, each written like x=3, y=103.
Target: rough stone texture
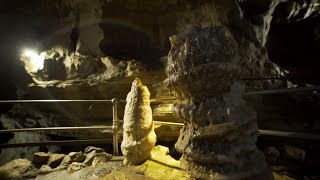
x=138, y=129
x=45, y=169
x=281, y=177
x=55, y=160
x=161, y=154
x=92, y=148
x=77, y=156
x=100, y=159
x=75, y=166
x=95, y=156
x=89, y=157
x=294, y=153
x=14, y=169
x=21, y=137
x=40, y=158
x=220, y=130
x=272, y=154
x=66, y=161
x=149, y=170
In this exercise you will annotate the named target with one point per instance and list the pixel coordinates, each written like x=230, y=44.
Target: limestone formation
x=220, y=130
x=14, y=169
x=138, y=130
x=40, y=158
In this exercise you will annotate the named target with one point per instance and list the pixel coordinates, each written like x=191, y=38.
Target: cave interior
x=223, y=69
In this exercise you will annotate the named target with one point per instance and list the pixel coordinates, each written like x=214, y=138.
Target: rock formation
x=138, y=132
x=220, y=131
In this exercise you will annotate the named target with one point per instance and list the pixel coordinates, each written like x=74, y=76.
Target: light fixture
x=33, y=61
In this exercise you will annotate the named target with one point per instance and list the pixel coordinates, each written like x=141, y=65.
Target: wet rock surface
x=220, y=130
x=89, y=31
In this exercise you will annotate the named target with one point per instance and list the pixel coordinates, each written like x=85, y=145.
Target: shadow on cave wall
x=295, y=46
x=123, y=42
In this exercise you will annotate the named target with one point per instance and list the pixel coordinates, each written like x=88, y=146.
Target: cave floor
x=114, y=169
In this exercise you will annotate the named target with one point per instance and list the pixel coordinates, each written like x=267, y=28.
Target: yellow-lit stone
x=160, y=154
x=138, y=130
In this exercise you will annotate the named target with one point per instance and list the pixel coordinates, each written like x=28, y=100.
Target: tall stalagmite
x=138, y=131
x=220, y=131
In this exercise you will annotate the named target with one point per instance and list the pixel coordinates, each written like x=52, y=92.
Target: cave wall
x=286, y=33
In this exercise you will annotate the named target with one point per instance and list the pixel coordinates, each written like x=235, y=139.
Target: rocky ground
x=287, y=163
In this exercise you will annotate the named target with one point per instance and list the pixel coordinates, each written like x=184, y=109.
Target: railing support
x=115, y=127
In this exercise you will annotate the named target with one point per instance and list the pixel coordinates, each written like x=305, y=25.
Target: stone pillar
x=138, y=130
x=220, y=130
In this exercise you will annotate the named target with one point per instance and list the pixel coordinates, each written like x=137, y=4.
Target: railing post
x=115, y=126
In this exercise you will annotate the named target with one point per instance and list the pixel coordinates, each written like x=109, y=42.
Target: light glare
x=35, y=60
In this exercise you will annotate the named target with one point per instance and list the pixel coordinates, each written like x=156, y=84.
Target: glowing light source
x=33, y=60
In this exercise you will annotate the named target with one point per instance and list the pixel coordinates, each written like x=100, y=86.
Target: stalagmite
x=138, y=130
x=220, y=131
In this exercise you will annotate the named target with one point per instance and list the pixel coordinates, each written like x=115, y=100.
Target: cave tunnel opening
x=294, y=45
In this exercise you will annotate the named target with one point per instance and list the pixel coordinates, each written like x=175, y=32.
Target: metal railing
x=115, y=121
x=114, y=128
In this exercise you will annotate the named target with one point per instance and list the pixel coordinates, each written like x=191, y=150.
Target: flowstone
x=220, y=130
x=138, y=129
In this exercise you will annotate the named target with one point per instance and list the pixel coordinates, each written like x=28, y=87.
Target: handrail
x=74, y=100
x=282, y=91
x=54, y=129
x=62, y=142
x=115, y=126
x=116, y=121
x=306, y=136
x=55, y=100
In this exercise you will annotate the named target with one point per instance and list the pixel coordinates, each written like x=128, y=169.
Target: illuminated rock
x=220, y=130
x=138, y=131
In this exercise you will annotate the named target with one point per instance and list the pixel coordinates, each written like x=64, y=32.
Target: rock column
x=138, y=130
x=220, y=130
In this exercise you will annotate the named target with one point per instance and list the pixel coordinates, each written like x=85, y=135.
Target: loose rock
x=14, y=169
x=75, y=166
x=40, y=158
x=101, y=158
x=55, y=160
x=77, y=156
x=66, y=161
x=272, y=154
x=294, y=153
x=160, y=154
x=92, y=148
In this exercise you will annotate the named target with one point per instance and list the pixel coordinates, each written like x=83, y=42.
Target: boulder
x=40, y=158
x=138, y=129
x=77, y=156
x=91, y=153
x=55, y=160
x=92, y=148
x=272, y=154
x=14, y=169
x=294, y=153
x=75, y=166
x=161, y=154
x=45, y=169
x=66, y=161
x=100, y=159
